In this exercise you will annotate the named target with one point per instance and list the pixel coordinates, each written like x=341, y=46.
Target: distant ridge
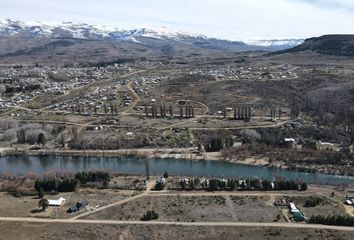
x=339, y=45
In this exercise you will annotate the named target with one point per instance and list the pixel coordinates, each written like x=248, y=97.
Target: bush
x=313, y=202
x=159, y=186
x=150, y=215
x=303, y=187
x=17, y=194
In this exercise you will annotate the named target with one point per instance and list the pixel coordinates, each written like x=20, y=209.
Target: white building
x=56, y=203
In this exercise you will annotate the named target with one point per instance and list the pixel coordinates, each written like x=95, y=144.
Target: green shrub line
x=336, y=220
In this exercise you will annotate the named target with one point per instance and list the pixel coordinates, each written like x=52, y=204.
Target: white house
x=56, y=203
x=350, y=201
x=161, y=180
x=293, y=208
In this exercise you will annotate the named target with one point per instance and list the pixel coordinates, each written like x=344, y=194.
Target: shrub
x=159, y=186
x=303, y=187
x=150, y=215
x=313, y=202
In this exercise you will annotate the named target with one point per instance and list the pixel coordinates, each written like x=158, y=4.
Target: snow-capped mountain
x=141, y=35
x=84, y=31
x=276, y=42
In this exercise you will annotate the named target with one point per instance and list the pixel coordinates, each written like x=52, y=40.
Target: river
x=20, y=166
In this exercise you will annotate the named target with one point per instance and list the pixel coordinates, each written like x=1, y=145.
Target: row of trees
x=31, y=133
x=70, y=184
x=230, y=184
x=56, y=184
x=81, y=109
x=327, y=113
x=337, y=220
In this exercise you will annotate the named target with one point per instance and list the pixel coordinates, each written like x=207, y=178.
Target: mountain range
x=10, y=28
x=68, y=43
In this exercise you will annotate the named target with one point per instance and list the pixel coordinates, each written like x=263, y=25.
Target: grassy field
x=195, y=208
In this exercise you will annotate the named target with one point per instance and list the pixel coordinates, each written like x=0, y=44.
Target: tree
x=41, y=139
x=303, y=187
x=21, y=136
x=183, y=184
x=41, y=193
x=147, y=169
x=43, y=203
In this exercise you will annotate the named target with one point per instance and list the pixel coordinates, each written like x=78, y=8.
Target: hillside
x=339, y=45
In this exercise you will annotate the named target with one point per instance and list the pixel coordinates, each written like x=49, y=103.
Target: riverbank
x=149, y=153
x=178, y=153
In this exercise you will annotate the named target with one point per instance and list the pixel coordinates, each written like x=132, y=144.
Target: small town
x=203, y=120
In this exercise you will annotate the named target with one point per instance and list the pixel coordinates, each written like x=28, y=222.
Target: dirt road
x=150, y=184
x=169, y=223
x=191, y=194
x=136, y=100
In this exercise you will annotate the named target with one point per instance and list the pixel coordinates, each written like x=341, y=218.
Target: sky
x=227, y=19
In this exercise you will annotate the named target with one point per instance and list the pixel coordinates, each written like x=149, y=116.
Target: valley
x=140, y=134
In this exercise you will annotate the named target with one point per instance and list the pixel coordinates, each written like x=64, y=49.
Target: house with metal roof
x=56, y=203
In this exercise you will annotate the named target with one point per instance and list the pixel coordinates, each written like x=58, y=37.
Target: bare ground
x=74, y=231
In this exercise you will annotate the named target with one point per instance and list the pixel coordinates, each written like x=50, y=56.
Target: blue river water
x=20, y=165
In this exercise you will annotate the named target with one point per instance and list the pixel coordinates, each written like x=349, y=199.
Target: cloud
x=347, y=5
x=231, y=19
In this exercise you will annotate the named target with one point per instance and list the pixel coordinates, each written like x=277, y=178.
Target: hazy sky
x=230, y=19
